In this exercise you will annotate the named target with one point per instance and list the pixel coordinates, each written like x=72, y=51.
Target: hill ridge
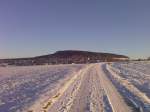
x=66, y=57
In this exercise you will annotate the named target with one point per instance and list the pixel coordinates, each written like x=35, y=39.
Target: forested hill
x=66, y=57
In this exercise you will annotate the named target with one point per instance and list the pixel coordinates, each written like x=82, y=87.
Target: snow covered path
x=91, y=91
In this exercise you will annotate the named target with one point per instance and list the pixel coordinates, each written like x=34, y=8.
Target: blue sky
x=37, y=27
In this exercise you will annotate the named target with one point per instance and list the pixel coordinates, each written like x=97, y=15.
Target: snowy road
x=90, y=91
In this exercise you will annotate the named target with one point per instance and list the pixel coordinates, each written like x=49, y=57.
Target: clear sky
x=37, y=27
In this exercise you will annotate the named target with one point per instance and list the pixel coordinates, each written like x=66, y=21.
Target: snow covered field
x=114, y=87
x=138, y=73
x=134, y=77
x=20, y=87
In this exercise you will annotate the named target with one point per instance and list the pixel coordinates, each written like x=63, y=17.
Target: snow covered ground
x=21, y=87
x=134, y=77
x=115, y=87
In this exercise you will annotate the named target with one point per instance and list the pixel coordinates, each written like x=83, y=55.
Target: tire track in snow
x=54, y=99
x=84, y=95
x=115, y=99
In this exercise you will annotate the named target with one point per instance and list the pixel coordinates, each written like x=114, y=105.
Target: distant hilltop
x=66, y=57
